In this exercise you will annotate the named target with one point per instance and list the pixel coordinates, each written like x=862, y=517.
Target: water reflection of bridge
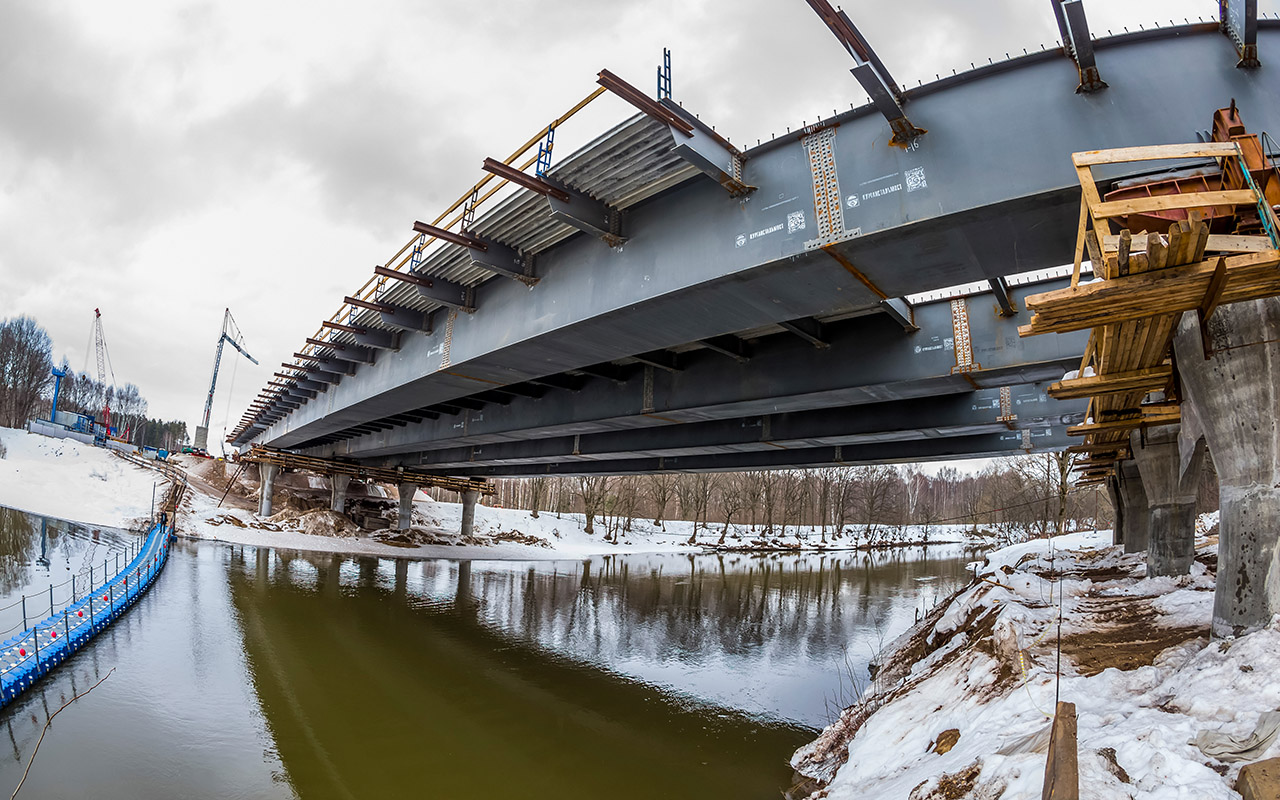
x=465, y=658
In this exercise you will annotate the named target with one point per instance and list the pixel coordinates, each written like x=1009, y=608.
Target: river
x=260, y=673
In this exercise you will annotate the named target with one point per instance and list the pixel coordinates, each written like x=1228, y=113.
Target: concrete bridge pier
x=1235, y=395
x=1171, y=496
x=469, y=499
x=1134, y=513
x=1117, y=504
x=405, y=515
x=267, y=479
x=338, y=498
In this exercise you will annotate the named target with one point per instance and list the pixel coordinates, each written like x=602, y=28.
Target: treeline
x=1017, y=497
x=27, y=383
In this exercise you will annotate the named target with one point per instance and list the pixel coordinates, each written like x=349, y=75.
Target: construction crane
x=230, y=334
x=104, y=362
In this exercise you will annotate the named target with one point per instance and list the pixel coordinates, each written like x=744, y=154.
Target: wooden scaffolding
x=1143, y=282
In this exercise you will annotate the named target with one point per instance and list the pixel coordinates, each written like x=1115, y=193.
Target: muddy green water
x=250, y=672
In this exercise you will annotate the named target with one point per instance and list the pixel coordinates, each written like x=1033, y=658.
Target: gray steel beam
x=1078, y=44
x=899, y=310
x=367, y=337
x=808, y=329
x=928, y=216
x=729, y=345
x=586, y=214
x=377, y=340
x=437, y=290
x=350, y=352
x=1239, y=21
x=319, y=375
x=709, y=152
x=503, y=260
x=929, y=417
x=342, y=365
x=406, y=319
x=660, y=359
x=567, y=383
x=868, y=361
x=1000, y=290
x=982, y=445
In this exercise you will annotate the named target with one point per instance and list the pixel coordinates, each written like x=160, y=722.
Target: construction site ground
x=980, y=673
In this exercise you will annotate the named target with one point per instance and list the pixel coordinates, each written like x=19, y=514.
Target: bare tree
x=592, y=490
x=537, y=491
x=659, y=488
x=732, y=495
x=26, y=363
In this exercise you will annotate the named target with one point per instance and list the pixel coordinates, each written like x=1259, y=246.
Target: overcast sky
x=164, y=160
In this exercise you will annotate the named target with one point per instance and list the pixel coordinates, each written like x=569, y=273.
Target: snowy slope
x=1137, y=662
x=69, y=480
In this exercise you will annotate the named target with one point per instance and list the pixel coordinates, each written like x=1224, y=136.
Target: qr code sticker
x=795, y=221
x=915, y=179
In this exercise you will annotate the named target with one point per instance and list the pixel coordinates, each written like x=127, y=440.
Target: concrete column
x=1117, y=527
x=338, y=498
x=407, y=490
x=267, y=479
x=1134, y=513
x=469, y=499
x=1235, y=394
x=1171, y=496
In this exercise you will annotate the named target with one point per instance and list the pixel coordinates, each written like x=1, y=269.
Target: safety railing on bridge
x=87, y=608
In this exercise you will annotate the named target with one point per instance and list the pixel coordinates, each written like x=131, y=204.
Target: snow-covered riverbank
x=69, y=480
x=498, y=533
x=73, y=481
x=961, y=704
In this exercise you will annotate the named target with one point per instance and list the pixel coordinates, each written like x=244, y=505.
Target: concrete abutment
x=1171, y=497
x=1236, y=400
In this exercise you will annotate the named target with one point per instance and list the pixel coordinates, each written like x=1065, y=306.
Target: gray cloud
x=117, y=163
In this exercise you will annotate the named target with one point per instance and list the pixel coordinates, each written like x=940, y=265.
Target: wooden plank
x=1099, y=447
x=1162, y=414
x=1218, y=243
x=1080, y=243
x=1090, y=197
x=1212, y=296
x=1157, y=252
x=1062, y=767
x=1169, y=291
x=1144, y=380
x=1124, y=245
x=1169, y=202
x=1154, y=152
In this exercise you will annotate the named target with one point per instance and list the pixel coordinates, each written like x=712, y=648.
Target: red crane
x=104, y=362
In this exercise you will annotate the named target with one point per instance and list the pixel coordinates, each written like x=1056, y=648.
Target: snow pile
x=66, y=479
x=962, y=704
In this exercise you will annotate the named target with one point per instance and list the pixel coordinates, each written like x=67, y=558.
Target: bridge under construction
x=665, y=300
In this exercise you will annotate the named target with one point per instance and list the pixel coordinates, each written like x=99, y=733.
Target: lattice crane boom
x=104, y=362
x=230, y=335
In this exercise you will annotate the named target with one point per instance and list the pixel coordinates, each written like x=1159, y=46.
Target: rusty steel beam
x=351, y=352
x=434, y=289
x=462, y=238
x=642, y=102
x=531, y=182
x=368, y=304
